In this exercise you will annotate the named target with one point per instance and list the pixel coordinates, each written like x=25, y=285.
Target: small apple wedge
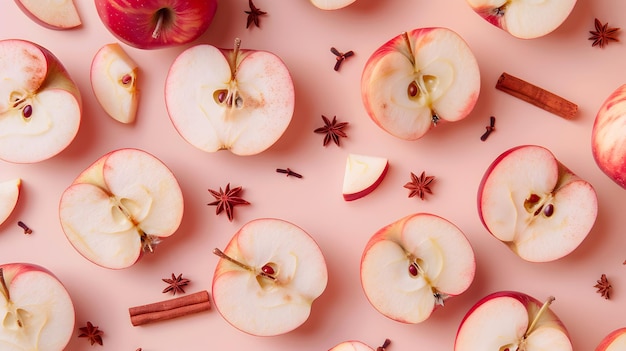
x=40, y=106
x=510, y=320
x=354, y=345
x=525, y=19
x=55, y=14
x=114, y=82
x=331, y=4
x=608, y=138
x=615, y=341
x=268, y=277
x=36, y=310
x=535, y=205
x=418, y=79
x=362, y=175
x=121, y=206
x=413, y=265
x=9, y=194
x=237, y=100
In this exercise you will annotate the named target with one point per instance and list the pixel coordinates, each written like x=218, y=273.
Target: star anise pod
x=92, y=333
x=603, y=34
x=253, y=14
x=226, y=199
x=603, y=286
x=419, y=186
x=176, y=284
x=332, y=129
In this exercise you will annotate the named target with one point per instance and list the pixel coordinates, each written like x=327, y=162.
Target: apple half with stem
x=525, y=19
x=114, y=82
x=229, y=99
x=615, y=341
x=9, y=194
x=152, y=24
x=36, y=311
x=331, y=4
x=362, y=175
x=608, y=139
x=354, y=345
x=411, y=266
x=55, y=14
x=535, y=205
x=268, y=277
x=40, y=106
x=418, y=79
x=121, y=206
x=512, y=321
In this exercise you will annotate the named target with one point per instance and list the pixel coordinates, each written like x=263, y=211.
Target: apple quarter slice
x=55, y=14
x=9, y=193
x=362, y=175
x=114, y=82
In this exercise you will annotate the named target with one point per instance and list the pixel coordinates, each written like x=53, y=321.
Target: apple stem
x=3, y=284
x=157, y=28
x=384, y=345
x=538, y=315
x=221, y=254
x=233, y=63
x=407, y=41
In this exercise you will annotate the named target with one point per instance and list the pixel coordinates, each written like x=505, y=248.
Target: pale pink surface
x=563, y=62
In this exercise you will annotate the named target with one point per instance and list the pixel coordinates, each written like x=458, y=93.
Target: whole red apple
x=608, y=137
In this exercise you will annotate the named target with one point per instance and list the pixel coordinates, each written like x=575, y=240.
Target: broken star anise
x=603, y=34
x=92, y=333
x=332, y=129
x=226, y=199
x=419, y=186
x=253, y=14
x=176, y=284
x=604, y=287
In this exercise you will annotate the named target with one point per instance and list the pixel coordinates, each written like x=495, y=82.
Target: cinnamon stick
x=536, y=96
x=168, y=309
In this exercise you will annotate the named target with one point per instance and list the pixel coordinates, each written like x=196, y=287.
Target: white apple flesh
x=615, y=341
x=237, y=100
x=9, y=194
x=525, y=19
x=55, y=14
x=411, y=266
x=40, y=106
x=535, y=205
x=512, y=321
x=36, y=310
x=419, y=78
x=114, y=82
x=121, y=206
x=608, y=137
x=268, y=277
x=331, y=4
x=362, y=175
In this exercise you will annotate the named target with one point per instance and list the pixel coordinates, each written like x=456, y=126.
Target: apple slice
x=411, y=266
x=40, y=106
x=268, y=277
x=535, y=205
x=615, y=341
x=121, y=206
x=9, y=193
x=608, y=138
x=331, y=4
x=114, y=82
x=55, y=14
x=524, y=19
x=237, y=100
x=363, y=174
x=509, y=320
x=358, y=346
x=419, y=78
x=36, y=310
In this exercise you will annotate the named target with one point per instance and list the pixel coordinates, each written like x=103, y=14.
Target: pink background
x=563, y=62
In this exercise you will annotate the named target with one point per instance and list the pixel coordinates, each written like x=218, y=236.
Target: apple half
x=510, y=320
x=229, y=99
x=362, y=175
x=535, y=205
x=608, y=138
x=121, y=206
x=40, y=106
x=615, y=341
x=413, y=265
x=525, y=19
x=36, y=311
x=114, y=82
x=9, y=194
x=418, y=79
x=268, y=277
x=55, y=14
x=331, y=4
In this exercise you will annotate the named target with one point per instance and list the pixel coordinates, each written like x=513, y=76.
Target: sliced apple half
x=9, y=194
x=615, y=341
x=114, y=82
x=362, y=175
x=55, y=14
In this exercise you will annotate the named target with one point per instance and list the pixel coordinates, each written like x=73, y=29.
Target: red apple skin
x=606, y=342
x=490, y=16
x=133, y=21
x=360, y=194
x=608, y=137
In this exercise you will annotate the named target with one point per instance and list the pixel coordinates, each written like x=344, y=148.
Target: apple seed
x=413, y=270
x=126, y=79
x=267, y=269
x=548, y=210
x=27, y=111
